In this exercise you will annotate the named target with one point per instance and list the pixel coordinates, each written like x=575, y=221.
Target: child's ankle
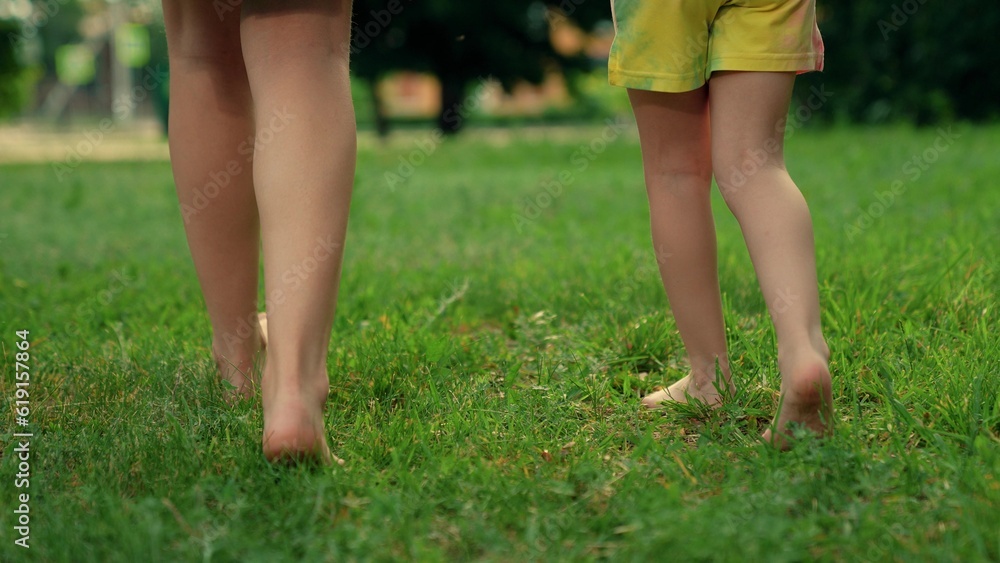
x=806, y=350
x=706, y=374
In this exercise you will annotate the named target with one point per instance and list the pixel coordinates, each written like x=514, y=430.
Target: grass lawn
x=487, y=361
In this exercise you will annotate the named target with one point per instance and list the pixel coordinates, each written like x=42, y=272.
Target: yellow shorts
x=675, y=45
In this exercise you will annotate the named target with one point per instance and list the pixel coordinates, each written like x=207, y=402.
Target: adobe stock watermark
x=783, y=300
x=362, y=36
x=23, y=434
x=566, y=8
x=292, y=280
x=121, y=108
x=456, y=292
x=644, y=271
x=222, y=178
x=88, y=309
x=426, y=146
x=696, y=46
x=42, y=13
x=757, y=157
x=911, y=171
x=223, y=7
x=552, y=189
x=901, y=14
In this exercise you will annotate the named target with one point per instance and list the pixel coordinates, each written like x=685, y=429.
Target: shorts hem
x=673, y=83
x=769, y=63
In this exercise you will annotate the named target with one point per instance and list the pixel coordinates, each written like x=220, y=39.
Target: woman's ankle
x=243, y=344
x=289, y=378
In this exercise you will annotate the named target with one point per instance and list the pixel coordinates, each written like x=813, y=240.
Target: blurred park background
x=67, y=64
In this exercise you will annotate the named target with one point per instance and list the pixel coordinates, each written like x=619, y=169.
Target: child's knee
x=735, y=171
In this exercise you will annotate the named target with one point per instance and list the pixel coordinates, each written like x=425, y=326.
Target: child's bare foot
x=806, y=401
x=293, y=420
x=685, y=390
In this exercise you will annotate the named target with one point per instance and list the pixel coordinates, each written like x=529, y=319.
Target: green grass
x=485, y=381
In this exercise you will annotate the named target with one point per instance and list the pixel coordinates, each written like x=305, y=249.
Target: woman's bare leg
x=297, y=63
x=211, y=118
x=748, y=111
x=676, y=156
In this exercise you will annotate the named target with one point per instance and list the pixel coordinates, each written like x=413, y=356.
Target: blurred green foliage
x=923, y=61
x=27, y=50
x=920, y=61
x=461, y=43
x=12, y=70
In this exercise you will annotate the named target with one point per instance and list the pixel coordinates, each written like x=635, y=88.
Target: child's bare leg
x=748, y=109
x=303, y=173
x=210, y=116
x=676, y=155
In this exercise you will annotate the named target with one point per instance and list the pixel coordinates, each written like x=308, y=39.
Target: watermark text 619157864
x=22, y=437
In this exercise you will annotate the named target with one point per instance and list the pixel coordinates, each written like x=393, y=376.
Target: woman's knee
x=679, y=174
x=296, y=31
x=199, y=35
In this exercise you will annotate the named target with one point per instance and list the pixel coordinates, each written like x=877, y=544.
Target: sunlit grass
x=485, y=372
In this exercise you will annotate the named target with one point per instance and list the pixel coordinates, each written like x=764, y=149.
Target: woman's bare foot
x=806, y=401
x=685, y=390
x=294, y=430
x=239, y=362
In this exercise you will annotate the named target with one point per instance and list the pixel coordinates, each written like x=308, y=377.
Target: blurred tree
x=46, y=26
x=11, y=68
x=911, y=60
x=894, y=60
x=461, y=42
x=32, y=43
x=887, y=60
